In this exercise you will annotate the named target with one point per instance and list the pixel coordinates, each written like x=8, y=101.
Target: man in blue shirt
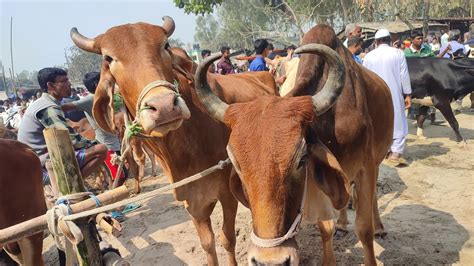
x=261, y=48
x=354, y=45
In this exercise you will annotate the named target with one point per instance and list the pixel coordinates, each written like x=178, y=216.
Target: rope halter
x=150, y=86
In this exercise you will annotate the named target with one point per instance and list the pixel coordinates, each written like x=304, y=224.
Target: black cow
x=444, y=80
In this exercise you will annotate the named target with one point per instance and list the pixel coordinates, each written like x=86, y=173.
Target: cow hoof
x=462, y=144
x=340, y=233
x=381, y=234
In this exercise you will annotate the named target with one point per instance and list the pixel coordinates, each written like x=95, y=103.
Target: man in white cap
x=390, y=64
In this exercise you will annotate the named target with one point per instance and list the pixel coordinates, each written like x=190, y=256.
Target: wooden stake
x=69, y=179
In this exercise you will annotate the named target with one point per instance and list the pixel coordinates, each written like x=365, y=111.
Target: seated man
x=46, y=112
x=85, y=104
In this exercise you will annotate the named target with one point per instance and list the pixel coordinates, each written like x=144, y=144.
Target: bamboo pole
x=38, y=224
x=11, y=56
x=68, y=175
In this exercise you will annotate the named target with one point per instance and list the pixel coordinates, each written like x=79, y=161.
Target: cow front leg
x=227, y=235
x=365, y=189
x=327, y=229
x=442, y=104
x=140, y=158
x=202, y=222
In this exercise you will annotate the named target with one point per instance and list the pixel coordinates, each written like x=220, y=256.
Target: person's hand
x=280, y=80
x=396, y=44
x=407, y=101
x=449, y=48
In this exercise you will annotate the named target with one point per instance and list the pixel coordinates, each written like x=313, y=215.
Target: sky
x=41, y=28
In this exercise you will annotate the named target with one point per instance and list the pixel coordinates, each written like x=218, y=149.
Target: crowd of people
x=57, y=101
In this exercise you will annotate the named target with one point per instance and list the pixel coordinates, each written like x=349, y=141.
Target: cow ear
x=103, y=108
x=329, y=176
x=237, y=189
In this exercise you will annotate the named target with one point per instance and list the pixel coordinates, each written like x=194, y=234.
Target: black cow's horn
x=168, y=25
x=83, y=42
x=327, y=96
x=215, y=106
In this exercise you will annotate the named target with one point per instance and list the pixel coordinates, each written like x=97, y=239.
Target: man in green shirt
x=417, y=47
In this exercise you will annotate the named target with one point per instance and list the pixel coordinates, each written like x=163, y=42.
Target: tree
x=81, y=62
x=206, y=32
x=176, y=42
x=197, y=7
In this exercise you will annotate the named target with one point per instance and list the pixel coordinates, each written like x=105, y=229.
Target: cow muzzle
x=285, y=254
x=161, y=109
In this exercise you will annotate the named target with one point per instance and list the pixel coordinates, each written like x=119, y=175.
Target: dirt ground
x=427, y=209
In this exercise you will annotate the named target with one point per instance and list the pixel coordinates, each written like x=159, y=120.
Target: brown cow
x=138, y=58
x=287, y=147
x=21, y=175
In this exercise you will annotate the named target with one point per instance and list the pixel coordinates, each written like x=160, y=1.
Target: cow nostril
x=148, y=107
x=287, y=262
x=254, y=262
x=175, y=100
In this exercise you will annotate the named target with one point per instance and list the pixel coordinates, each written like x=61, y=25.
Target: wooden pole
x=11, y=55
x=69, y=179
x=38, y=224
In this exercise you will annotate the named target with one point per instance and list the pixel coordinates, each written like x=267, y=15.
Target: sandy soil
x=427, y=209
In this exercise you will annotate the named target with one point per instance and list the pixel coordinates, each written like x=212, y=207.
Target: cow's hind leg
x=420, y=120
x=31, y=249
x=202, y=222
x=365, y=189
x=327, y=229
x=441, y=102
x=227, y=235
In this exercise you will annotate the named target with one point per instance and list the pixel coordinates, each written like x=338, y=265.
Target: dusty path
x=427, y=209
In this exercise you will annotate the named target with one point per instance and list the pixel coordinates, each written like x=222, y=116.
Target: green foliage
x=80, y=62
x=197, y=7
x=176, y=42
x=239, y=22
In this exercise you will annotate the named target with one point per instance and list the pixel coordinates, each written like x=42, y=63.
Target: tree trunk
x=344, y=14
x=369, y=7
x=426, y=15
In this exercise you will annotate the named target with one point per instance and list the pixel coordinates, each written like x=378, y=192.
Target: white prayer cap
x=382, y=33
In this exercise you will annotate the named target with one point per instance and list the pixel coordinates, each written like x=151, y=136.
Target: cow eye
x=302, y=161
x=108, y=59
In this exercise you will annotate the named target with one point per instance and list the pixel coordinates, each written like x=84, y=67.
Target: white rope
x=61, y=229
x=148, y=88
x=221, y=165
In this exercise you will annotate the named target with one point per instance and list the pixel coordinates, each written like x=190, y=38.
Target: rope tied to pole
x=62, y=230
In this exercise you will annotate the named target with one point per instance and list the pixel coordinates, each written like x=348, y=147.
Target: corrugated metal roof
x=393, y=26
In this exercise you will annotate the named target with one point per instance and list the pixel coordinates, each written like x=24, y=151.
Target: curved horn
x=168, y=25
x=327, y=96
x=215, y=106
x=83, y=42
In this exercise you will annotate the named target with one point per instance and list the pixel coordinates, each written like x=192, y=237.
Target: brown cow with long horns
x=156, y=83
x=287, y=150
